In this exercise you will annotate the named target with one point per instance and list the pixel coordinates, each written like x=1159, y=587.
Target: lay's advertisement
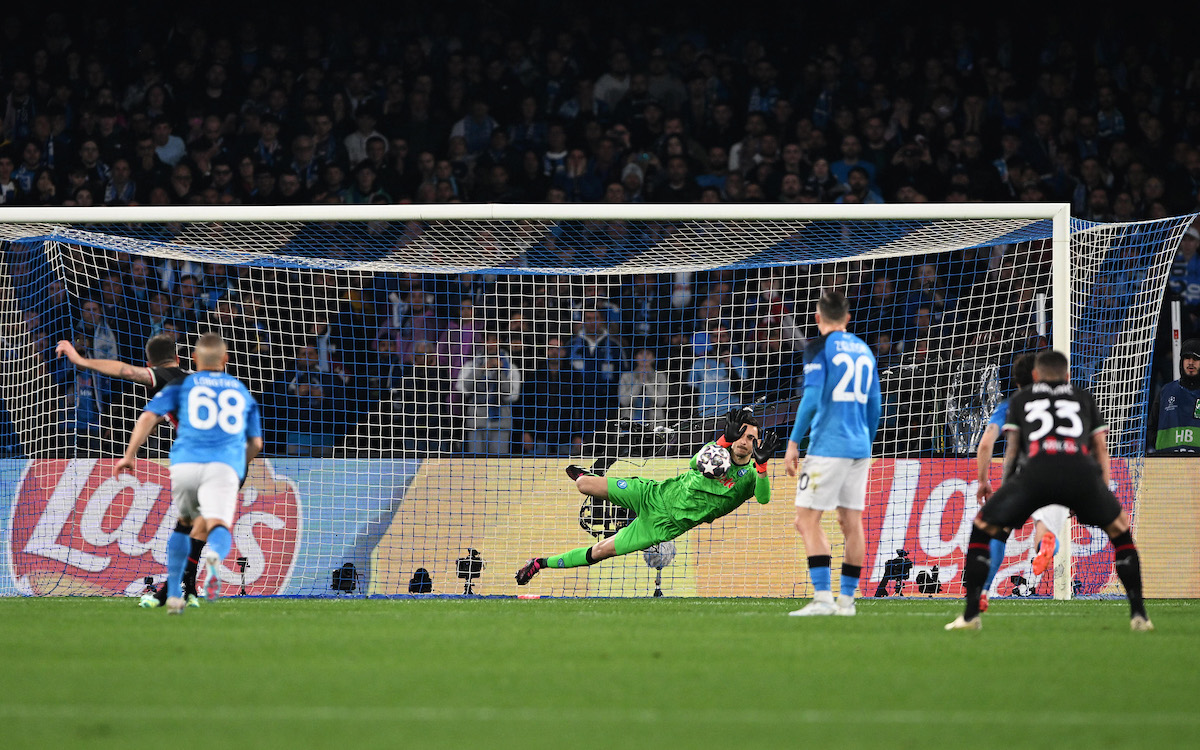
x=72, y=527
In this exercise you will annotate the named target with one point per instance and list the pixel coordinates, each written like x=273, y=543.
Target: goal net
x=425, y=375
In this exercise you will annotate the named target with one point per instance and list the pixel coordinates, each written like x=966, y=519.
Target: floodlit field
x=539, y=674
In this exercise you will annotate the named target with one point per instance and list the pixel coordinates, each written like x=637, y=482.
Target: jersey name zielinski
x=842, y=367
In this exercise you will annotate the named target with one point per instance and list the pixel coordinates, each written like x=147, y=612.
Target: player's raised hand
x=124, y=466
x=764, y=448
x=734, y=424
x=67, y=349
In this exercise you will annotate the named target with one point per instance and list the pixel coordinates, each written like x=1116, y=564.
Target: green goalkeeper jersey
x=693, y=498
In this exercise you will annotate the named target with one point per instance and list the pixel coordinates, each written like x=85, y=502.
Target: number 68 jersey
x=1053, y=420
x=216, y=415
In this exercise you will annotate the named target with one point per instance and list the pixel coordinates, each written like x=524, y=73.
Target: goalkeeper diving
x=668, y=508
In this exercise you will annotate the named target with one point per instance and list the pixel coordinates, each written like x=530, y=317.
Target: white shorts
x=1054, y=516
x=205, y=490
x=826, y=483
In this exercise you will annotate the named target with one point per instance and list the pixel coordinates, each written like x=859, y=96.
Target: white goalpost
x=427, y=371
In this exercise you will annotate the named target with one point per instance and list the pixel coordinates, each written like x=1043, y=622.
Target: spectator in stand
x=852, y=158
x=858, y=188
x=488, y=385
x=306, y=407
x=717, y=376
x=597, y=359
x=476, y=128
x=365, y=119
x=422, y=405
x=614, y=84
x=679, y=186
x=1183, y=282
x=577, y=181
x=822, y=183
x=548, y=412
x=644, y=393
x=10, y=192
x=169, y=147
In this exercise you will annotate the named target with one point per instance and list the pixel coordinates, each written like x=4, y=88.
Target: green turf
x=608, y=673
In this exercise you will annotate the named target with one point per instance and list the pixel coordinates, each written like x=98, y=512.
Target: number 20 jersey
x=216, y=415
x=1053, y=421
x=843, y=368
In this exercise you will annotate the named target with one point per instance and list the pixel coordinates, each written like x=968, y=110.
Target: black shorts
x=1073, y=482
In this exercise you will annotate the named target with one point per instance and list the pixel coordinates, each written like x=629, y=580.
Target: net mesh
x=424, y=384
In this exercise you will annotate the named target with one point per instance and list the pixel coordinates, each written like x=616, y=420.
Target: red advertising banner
x=78, y=529
x=925, y=507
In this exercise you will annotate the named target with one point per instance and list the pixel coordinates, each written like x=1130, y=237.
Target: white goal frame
x=1057, y=213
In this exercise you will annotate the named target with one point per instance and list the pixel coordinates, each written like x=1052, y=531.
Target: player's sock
x=850, y=576
x=177, y=551
x=978, y=561
x=818, y=569
x=220, y=541
x=1129, y=570
x=577, y=557
x=997, y=549
x=193, y=562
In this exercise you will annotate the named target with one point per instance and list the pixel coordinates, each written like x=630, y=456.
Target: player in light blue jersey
x=841, y=403
x=218, y=434
x=1046, y=521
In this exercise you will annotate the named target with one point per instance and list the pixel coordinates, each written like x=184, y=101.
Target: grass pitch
x=539, y=674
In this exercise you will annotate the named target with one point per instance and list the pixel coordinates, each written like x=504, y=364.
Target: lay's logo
x=77, y=529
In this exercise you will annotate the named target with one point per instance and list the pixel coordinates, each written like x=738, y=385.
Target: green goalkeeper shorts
x=652, y=524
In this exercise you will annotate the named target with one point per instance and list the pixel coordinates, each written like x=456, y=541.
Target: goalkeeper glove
x=735, y=427
x=763, y=450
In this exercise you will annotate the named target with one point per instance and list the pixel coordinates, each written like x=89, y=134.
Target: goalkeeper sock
x=818, y=569
x=193, y=562
x=220, y=541
x=978, y=561
x=1129, y=570
x=850, y=576
x=576, y=558
x=177, y=551
x=997, y=549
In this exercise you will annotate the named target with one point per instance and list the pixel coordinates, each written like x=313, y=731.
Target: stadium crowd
x=337, y=106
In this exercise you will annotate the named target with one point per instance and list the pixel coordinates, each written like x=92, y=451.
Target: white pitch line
x=485, y=715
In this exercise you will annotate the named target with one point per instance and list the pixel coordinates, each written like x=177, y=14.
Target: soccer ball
x=660, y=555
x=713, y=461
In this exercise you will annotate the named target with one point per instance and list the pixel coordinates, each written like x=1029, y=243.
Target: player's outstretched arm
x=109, y=367
x=141, y=430
x=983, y=461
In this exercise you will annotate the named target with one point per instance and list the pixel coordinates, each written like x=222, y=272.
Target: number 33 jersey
x=1053, y=420
x=842, y=367
x=216, y=415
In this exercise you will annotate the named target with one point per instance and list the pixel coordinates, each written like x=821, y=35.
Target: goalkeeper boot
x=821, y=604
x=175, y=605
x=192, y=600
x=212, y=582
x=1045, y=554
x=961, y=623
x=529, y=570
x=1140, y=623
